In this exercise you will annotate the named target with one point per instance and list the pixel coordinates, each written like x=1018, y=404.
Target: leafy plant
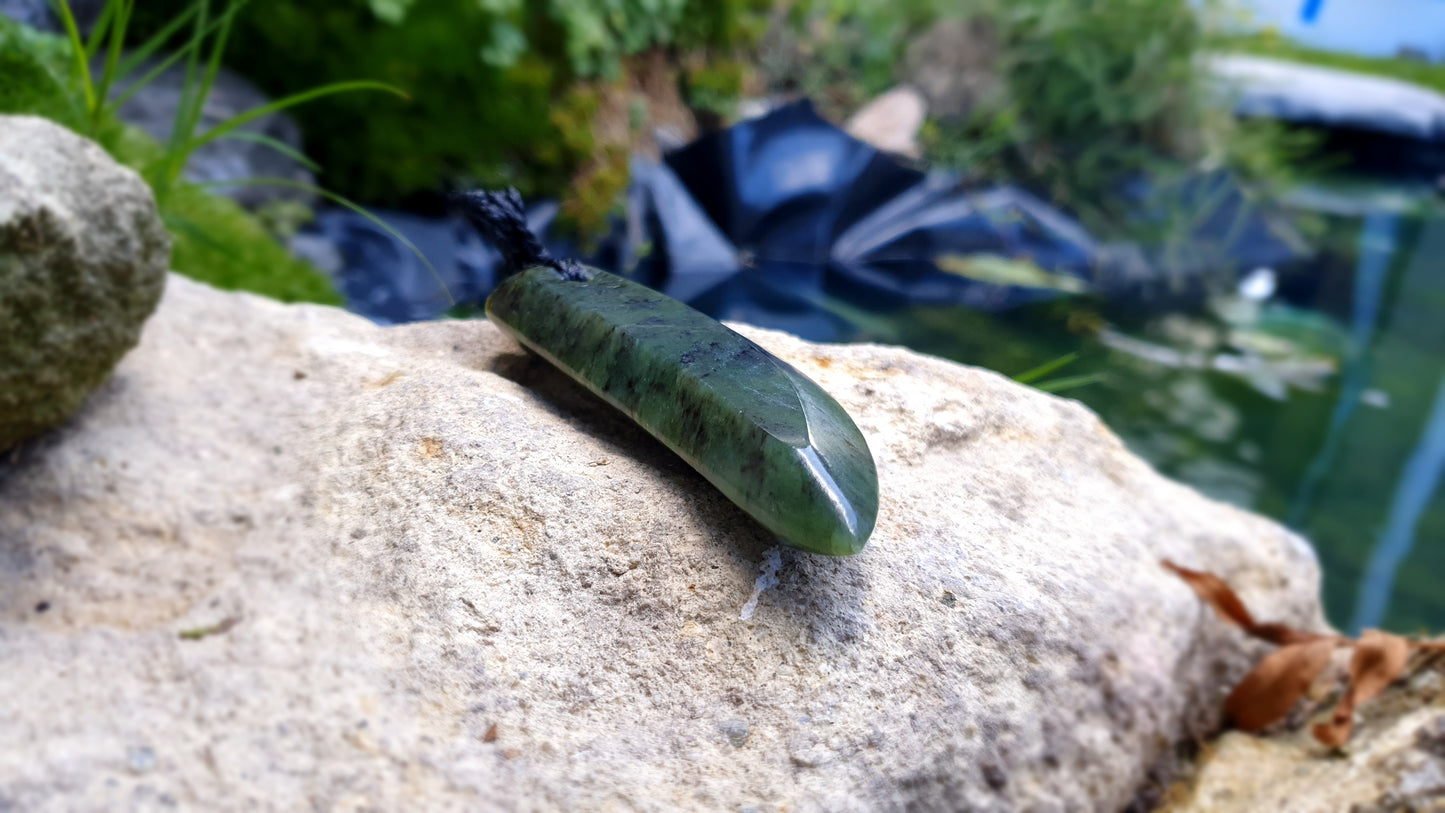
x=215, y=240
x=493, y=84
x=1103, y=92
x=202, y=56
x=842, y=52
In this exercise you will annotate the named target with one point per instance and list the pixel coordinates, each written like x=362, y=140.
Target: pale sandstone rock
x=891, y=122
x=464, y=583
x=1394, y=762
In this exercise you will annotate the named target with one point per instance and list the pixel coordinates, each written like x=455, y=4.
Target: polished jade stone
x=768, y=437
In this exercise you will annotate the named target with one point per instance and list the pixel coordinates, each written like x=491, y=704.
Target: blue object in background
x=758, y=222
x=1377, y=28
x=811, y=210
x=775, y=220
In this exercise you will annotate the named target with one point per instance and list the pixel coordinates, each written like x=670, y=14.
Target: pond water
x=1317, y=398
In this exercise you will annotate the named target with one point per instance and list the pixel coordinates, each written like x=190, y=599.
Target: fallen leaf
x=1284, y=635
x=1227, y=603
x=1378, y=661
x=1215, y=593
x=1269, y=692
x=491, y=735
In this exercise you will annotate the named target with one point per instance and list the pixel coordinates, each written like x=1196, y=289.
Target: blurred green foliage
x=218, y=242
x=1103, y=91
x=840, y=53
x=493, y=84
x=37, y=78
x=1094, y=93
x=505, y=92
x=214, y=240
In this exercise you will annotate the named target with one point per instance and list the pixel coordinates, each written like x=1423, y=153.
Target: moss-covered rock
x=83, y=258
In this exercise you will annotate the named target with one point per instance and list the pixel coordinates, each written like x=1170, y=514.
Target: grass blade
x=77, y=44
x=1044, y=369
x=213, y=64
x=342, y=201
x=179, y=134
x=160, y=67
x=143, y=52
x=281, y=104
x=97, y=32
x=114, y=41
x=1058, y=385
x=275, y=144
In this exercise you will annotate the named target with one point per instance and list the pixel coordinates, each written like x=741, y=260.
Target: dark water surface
x=1322, y=406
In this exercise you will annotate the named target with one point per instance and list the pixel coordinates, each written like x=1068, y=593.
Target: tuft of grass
x=201, y=53
x=215, y=240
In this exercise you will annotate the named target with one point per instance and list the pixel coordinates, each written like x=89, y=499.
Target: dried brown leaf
x=1269, y=692
x=1219, y=595
x=1284, y=635
x=1379, y=660
x=1215, y=593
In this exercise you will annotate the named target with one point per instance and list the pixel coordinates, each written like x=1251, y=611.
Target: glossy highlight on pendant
x=765, y=435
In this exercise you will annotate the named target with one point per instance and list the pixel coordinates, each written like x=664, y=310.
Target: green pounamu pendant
x=768, y=437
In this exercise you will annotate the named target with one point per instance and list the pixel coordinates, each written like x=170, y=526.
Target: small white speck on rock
x=772, y=560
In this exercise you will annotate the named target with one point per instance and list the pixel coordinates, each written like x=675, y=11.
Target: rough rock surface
x=1394, y=762
x=83, y=258
x=416, y=568
x=891, y=122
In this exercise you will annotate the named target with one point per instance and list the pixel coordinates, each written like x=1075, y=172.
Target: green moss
x=716, y=87
x=37, y=77
x=221, y=244
x=80, y=271
x=598, y=192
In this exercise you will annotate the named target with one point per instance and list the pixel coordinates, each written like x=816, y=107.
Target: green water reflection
x=1323, y=407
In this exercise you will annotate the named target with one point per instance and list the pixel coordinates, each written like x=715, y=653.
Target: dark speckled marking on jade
x=763, y=433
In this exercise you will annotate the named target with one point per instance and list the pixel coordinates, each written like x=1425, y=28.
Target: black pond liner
x=765, y=222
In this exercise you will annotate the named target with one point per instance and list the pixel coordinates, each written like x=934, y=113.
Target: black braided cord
x=502, y=220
